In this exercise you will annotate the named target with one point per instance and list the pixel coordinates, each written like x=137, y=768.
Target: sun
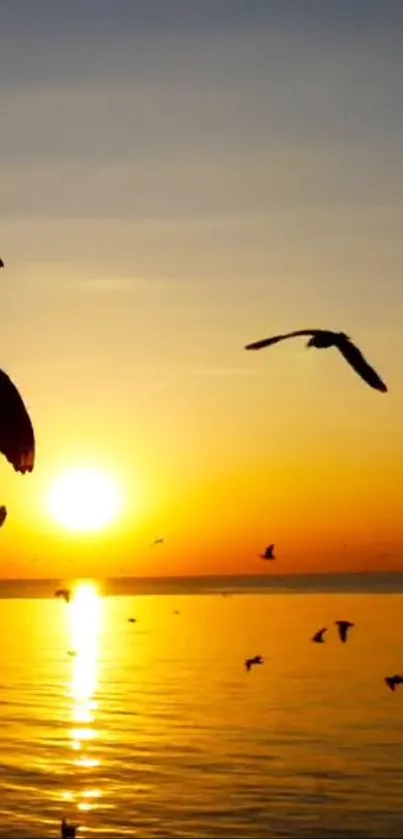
x=84, y=500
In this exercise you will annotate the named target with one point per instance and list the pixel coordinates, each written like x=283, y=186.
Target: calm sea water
x=156, y=729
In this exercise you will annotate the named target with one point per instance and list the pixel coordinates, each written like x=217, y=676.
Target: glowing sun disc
x=84, y=500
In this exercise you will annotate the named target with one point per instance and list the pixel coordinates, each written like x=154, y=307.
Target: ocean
x=155, y=728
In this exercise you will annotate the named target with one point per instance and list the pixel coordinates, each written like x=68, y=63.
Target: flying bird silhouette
x=17, y=441
x=3, y=515
x=269, y=553
x=64, y=593
x=343, y=626
x=1, y=263
x=69, y=831
x=318, y=637
x=132, y=620
x=158, y=542
x=392, y=681
x=251, y=661
x=323, y=338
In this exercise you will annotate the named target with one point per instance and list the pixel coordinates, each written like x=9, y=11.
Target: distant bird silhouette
x=1, y=263
x=251, y=661
x=3, y=515
x=318, y=637
x=158, y=542
x=343, y=626
x=132, y=620
x=269, y=553
x=69, y=831
x=323, y=338
x=65, y=593
x=392, y=681
x=17, y=441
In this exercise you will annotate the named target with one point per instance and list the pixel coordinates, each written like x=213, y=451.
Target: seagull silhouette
x=157, y=542
x=65, y=593
x=251, y=661
x=392, y=681
x=344, y=626
x=269, y=553
x=17, y=441
x=69, y=831
x=318, y=637
x=323, y=338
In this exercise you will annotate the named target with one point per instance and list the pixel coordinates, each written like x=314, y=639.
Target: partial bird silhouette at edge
x=343, y=627
x=250, y=662
x=318, y=637
x=269, y=552
x=392, y=681
x=17, y=439
x=68, y=831
x=323, y=338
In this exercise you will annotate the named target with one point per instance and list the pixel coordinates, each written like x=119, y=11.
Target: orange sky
x=168, y=196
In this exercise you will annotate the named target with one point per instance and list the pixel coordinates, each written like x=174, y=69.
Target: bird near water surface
x=250, y=662
x=318, y=637
x=68, y=831
x=324, y=338
x=392, y=681
x=64, y=593
x=343, y=627
x=269, y=553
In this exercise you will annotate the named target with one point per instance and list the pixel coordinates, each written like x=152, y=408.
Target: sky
x=179, y=179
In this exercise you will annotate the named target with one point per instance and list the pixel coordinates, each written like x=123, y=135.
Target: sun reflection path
x=85, y=612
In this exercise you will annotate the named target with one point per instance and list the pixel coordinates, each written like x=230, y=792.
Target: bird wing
x=267, y=342
x=17, y=441
x=355, y=358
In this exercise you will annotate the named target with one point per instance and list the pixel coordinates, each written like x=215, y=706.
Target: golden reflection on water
x=85, y=624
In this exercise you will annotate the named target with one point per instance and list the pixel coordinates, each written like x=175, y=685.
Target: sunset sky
x=178, y=179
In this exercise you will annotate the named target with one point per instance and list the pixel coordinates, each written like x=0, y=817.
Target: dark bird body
x=1, y=263
x=392, y=681
x=64, y=593
x=250, y=662
x=132, y=620
x=17, y=441
x=69, y=831
x=269, y=553
x=3, y=515
x=158, y=542
x=324, y=338
x=343, y=627
x=318, y=637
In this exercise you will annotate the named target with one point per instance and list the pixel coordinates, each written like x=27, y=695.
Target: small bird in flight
x=158, y=542
x=3, y=515
x=318, y=637
x=269, y=553
x=132, y=620
x=392, y=681
x=1, y=263
x=251, y=661
x=69, y=831
x=65, y=593
x=17, y=441
x=344, y=626
x=323, y=338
